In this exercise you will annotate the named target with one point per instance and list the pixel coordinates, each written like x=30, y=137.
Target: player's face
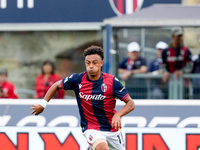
x=93, y=64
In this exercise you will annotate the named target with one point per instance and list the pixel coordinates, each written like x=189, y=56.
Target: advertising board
x=154, y=124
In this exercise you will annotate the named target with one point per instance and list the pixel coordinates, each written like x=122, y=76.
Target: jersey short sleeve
x=119, y=90
x=69, y=82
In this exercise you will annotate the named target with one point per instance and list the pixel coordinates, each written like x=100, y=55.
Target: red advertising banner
x=62, y=138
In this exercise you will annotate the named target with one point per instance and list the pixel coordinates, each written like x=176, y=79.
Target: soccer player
x=95, y=93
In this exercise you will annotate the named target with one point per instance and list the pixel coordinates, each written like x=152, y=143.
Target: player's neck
x=94, y=77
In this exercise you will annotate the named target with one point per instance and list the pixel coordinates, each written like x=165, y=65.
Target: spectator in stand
x=177, y=58
x=154, y=68
x=133, y=64
x=45, y=80
x=7, y=89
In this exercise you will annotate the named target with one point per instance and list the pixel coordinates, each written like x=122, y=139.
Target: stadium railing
x=149, y=86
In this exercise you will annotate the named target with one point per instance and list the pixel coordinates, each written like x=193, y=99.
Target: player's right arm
x=66, y=84
x=38, y=108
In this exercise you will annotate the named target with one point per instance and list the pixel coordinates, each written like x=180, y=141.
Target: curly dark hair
x=94, y=50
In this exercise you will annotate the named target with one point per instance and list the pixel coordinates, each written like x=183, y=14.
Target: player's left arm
x=120, y=91
x=128, y=107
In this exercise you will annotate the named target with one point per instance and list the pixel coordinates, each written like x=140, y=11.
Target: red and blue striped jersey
x=96, y=99
x=176, y=59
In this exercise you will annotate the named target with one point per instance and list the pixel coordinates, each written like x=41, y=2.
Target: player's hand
x=116, y=121
x=37, y=109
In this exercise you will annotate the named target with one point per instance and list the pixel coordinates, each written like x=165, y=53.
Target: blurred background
x=33, y=31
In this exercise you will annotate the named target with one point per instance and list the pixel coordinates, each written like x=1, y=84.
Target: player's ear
x=102, y=62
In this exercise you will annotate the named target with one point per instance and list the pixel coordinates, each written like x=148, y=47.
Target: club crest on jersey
x=104, y=87
x=125, y=6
